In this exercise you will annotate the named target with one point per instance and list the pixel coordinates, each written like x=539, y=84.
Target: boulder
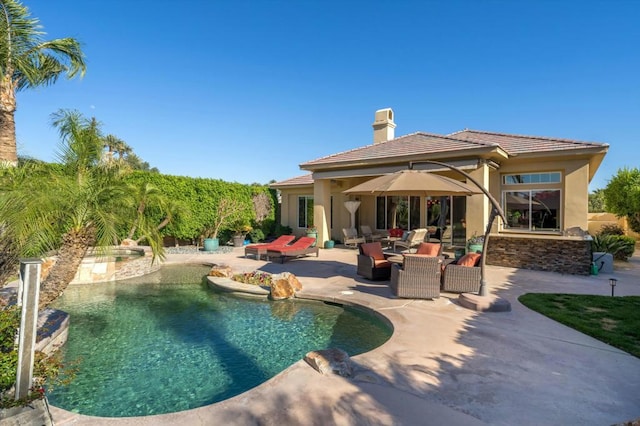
x=292, y=279
x=221, y=271
x=330, y=361
x=281, y=289
x=128, y=243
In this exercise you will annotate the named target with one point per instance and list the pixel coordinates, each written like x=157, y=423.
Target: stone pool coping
x=230, y=286
x=443, y=365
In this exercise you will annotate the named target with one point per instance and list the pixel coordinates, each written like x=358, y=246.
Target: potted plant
x=225, y=213
x=312, y=232
x=475, y=243
x=240, y=230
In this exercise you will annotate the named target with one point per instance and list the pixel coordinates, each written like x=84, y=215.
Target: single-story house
x=541, y=183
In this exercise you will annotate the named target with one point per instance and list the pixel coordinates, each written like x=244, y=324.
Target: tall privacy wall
x=567, y=255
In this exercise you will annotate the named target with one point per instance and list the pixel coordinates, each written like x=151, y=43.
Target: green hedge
x=196, y=198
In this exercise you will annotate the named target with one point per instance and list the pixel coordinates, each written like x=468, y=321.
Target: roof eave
x=466, y=153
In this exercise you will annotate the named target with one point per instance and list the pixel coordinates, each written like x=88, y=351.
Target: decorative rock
x=330, y=361
x=282, y=289
x=128, y=243
x=221, y=271
x=293, y=280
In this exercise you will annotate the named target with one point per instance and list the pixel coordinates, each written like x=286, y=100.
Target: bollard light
x=612, y=283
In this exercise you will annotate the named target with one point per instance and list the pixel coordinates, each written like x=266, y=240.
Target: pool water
x=165, y=342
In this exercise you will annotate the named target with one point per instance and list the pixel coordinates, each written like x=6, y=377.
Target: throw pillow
x=469, y=259
x=429, y=249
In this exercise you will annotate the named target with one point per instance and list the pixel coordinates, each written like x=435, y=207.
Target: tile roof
x=409, y=145
x=421, y=143
x=298, y=180
x=520, y=144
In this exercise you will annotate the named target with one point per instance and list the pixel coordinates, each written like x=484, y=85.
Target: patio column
x=322, y=209
x=478, y=205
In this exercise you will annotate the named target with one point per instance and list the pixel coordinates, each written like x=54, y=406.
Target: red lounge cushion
x=373, y=250
x=469, y=259
x=429, y=249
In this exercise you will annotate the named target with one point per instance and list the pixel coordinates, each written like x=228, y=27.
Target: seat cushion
x=382, y=263
x=405, y=235
x=373, y=250
x=469, y=259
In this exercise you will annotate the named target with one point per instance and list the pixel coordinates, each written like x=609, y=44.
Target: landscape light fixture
x=612, y=283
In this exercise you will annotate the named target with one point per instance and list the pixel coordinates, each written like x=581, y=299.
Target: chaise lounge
x=301, y=247
x=260, y=249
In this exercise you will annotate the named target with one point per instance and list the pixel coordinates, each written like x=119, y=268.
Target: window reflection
x=533, y=210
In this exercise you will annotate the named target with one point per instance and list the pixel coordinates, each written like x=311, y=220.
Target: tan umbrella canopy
x=413, y=182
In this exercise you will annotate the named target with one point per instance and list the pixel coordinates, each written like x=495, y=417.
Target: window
x=305, y=211
x=528, y=178
x=397, y=212
x=532, y=210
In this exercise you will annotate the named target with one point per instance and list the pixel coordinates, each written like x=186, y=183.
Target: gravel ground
x=196, y=250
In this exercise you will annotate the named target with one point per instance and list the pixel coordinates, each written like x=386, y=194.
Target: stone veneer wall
x=564, y=255
x=137, y=267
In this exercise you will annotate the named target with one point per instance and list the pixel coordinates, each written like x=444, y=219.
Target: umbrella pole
x=483, y=282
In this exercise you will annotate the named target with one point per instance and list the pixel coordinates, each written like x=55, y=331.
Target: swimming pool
x=164, y=342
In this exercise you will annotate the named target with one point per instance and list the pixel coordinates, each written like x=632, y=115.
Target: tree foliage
x=622, y=196
x=28, y=61
x=69, y=206
x=197, y=201
x=596, y=201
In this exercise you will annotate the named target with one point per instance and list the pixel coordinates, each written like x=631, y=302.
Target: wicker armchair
x=418, y=278
x=372, y=263
x=463, y=276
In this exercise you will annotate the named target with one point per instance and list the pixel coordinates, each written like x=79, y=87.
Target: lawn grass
x=613, y=320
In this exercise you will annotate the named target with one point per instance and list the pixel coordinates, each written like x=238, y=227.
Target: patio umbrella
x=413, y=182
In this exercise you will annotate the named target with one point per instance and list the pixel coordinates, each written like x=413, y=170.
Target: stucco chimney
x=383, y=126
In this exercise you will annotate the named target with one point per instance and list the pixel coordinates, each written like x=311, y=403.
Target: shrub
x=46, y=370
x=256, y=235
x=611, y=229
x=629, y=246
x=282, y=230
x=620, y=246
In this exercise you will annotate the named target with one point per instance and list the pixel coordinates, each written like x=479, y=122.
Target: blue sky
x=247, y=90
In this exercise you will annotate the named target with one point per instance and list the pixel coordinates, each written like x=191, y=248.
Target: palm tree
x=27, y=61
x=67, y=207
x=149, y=200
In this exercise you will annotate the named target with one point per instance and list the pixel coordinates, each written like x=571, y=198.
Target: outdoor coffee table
x=388, y=241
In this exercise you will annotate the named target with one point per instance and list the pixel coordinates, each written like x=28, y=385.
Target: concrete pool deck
x=444, y=364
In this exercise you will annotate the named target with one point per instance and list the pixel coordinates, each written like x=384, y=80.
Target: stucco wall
x=562, y=254
x=598, y=220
